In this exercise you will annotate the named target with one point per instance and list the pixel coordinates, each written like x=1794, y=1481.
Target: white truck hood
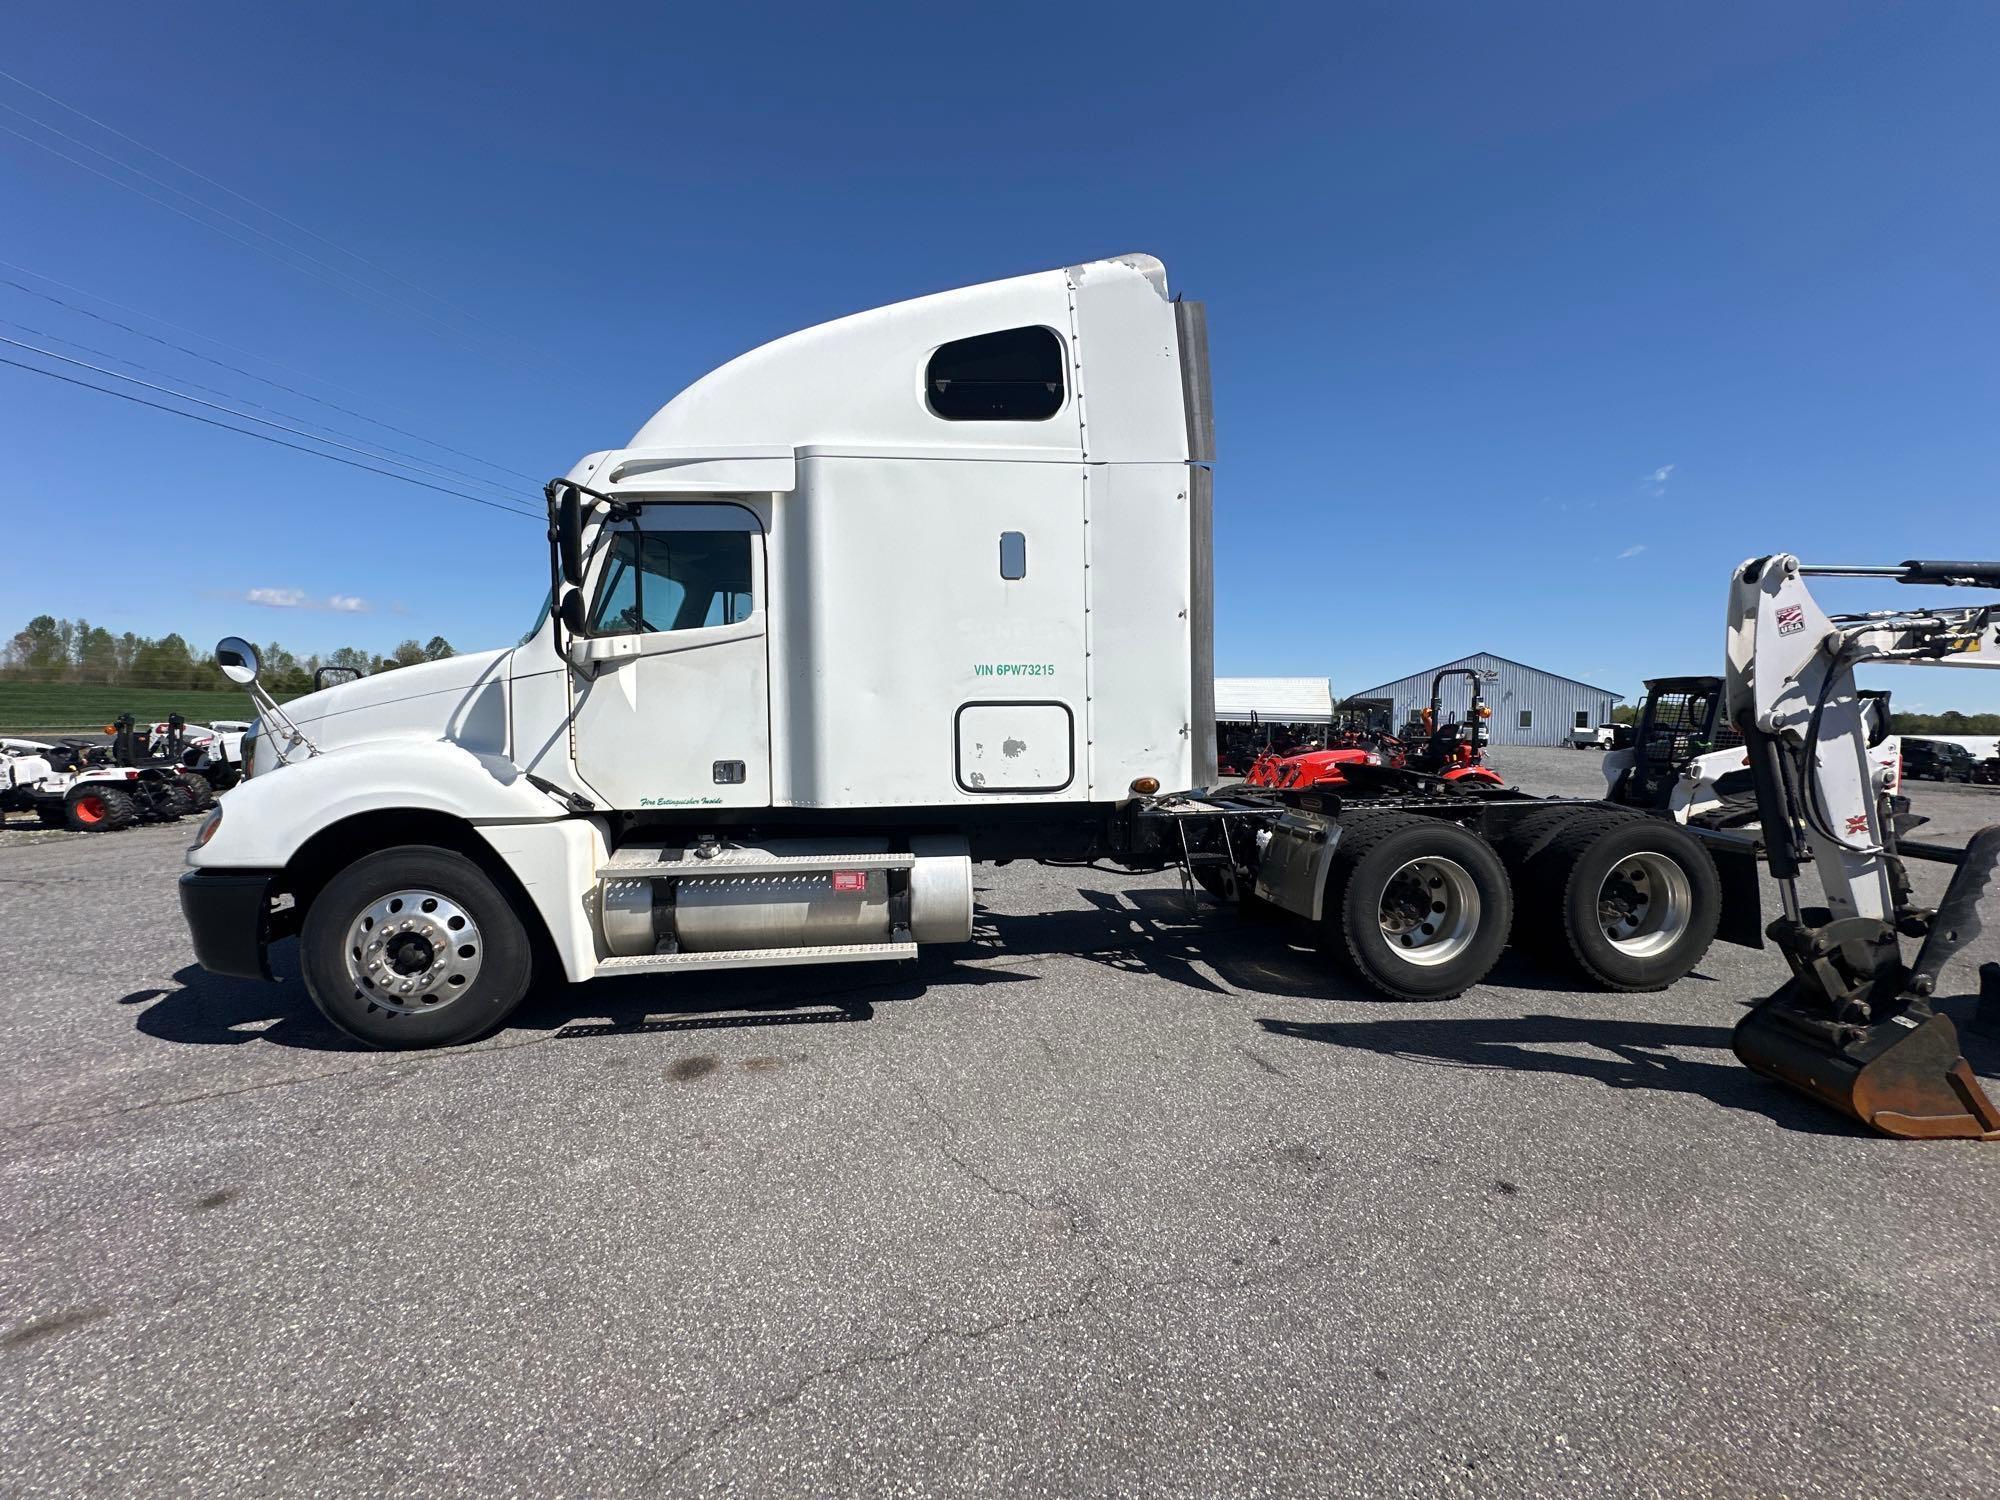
x=462, y=699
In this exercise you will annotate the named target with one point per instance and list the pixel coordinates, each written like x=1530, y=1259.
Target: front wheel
x=414, y=947
x=1419, y=908
x=99, y=807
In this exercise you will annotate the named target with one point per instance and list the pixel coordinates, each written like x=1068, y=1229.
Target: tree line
x=76, y=651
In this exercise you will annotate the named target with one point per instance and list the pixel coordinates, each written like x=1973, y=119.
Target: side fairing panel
x=1127, y=350
x=1141, y=628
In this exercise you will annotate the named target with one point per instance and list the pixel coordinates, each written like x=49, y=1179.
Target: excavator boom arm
x=1854, y=1027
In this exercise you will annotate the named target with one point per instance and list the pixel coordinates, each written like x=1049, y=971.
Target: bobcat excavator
x=1854, y=1027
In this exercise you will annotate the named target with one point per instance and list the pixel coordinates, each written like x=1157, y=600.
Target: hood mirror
x=238, y=660
x=570, y=610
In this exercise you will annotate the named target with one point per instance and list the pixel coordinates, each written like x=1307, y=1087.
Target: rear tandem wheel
x=1420, y=908
x=1623, y=900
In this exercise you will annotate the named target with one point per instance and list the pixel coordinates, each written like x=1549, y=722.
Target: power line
x=421, y=465
x=371, y=292
x=180, y=328
x=241, y=197
x=225, y=365
x=212, y=406
x=260, y=436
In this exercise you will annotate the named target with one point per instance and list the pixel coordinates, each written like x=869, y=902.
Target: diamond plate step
x=757, y=958
x=646, y=864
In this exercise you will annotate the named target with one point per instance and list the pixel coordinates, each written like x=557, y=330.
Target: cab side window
x=673, y=580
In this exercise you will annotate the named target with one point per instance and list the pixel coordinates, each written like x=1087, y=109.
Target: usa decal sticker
x=1791, y=619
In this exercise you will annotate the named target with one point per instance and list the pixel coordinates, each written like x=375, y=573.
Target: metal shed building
x=1530, y=706
x=1273, y=700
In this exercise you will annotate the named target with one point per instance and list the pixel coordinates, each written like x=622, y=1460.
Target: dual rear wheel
x=1421, y=909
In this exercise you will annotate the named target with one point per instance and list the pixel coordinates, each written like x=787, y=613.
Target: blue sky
x=1528, y=321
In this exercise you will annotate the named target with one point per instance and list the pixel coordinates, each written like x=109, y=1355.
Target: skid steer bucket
x=1901, y=1075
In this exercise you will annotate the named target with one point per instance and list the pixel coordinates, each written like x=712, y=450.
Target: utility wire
x=261, y=436
x=421, y=465
x=179, y=395
x=182, y=328
x=371, y=292
x=240, y=197
x=233, y=369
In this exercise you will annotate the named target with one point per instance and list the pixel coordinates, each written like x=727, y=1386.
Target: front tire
x=1417, y=907
x=99, y=807
x=414, y=947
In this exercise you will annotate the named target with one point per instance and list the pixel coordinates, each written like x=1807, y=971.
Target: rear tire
x=1625, y=902
x=200, y=794
x=1417, y=907
x=451, y=913
x=98, y=807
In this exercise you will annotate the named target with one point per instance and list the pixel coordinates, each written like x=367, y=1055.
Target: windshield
x=541, y=617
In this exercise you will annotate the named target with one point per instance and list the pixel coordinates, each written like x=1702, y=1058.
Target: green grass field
x=66, y=707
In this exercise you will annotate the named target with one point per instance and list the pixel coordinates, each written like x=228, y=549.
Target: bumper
x=228, y=915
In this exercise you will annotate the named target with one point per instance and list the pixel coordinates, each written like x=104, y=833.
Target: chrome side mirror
x=238, y=660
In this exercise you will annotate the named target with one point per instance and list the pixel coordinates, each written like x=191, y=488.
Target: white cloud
x=1632, y=551
x=1665, y=472
x=345, y=604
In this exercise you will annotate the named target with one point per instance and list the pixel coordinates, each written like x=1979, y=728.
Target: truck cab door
x=673, y=696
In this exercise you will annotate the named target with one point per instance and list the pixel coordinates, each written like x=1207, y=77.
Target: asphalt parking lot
x=1119, y=1200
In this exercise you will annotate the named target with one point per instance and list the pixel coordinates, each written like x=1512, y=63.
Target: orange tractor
x=1451, y=750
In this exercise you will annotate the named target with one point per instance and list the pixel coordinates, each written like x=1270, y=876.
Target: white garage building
x=1273, y=700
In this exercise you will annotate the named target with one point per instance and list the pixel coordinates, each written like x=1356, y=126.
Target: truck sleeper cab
x=919, y=585
x=914, y=588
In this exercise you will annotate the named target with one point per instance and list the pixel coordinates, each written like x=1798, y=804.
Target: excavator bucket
x=1903, y=1077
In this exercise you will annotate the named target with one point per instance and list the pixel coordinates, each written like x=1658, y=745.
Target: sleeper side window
x=1015, y=375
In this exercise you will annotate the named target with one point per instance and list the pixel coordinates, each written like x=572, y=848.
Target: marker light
x=1145, y=786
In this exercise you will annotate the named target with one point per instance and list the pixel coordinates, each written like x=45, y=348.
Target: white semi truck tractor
x=920, y=587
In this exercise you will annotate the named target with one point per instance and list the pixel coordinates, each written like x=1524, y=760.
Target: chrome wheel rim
x=412, y=952
x=1644, y=904
x=1429, y=911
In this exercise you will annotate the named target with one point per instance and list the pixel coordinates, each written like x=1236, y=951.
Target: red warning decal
x=850, y=880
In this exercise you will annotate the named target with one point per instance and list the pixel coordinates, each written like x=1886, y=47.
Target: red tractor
x=1450, y=750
